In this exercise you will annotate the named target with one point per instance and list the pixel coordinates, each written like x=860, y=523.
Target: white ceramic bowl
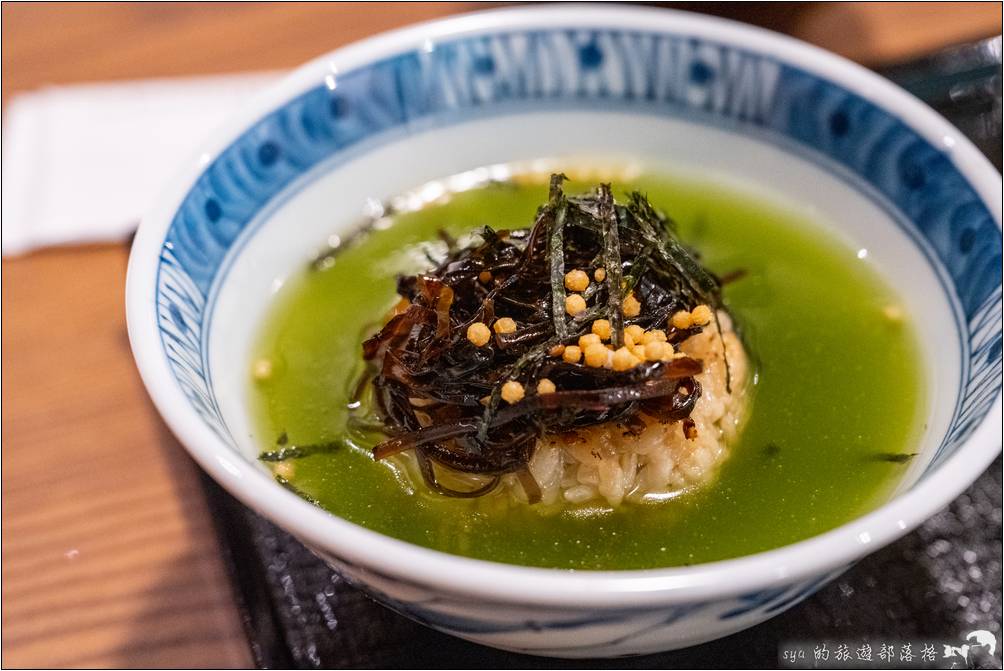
x=668, y=90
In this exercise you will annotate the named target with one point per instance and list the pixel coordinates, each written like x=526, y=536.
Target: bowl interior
x=650, y=91
x=333, y=197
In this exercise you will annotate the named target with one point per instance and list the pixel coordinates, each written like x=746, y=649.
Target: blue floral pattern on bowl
x=554, y=632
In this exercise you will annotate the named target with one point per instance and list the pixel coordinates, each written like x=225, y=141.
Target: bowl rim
x=389, y=558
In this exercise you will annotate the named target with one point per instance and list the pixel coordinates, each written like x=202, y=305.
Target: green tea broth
x=835, y=411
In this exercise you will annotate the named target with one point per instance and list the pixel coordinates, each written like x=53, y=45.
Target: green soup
x=837, y=402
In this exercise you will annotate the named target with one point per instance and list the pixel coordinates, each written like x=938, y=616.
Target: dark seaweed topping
x=559, y=205
x=612, y=262
x=298, y=451
x=894, y=457
x=440, y=395
x=733, y=276
x=296, y=490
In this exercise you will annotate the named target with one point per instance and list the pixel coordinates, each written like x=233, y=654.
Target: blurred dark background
x=46, y=43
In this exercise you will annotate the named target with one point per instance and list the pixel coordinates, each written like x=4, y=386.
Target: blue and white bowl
x=662, y=89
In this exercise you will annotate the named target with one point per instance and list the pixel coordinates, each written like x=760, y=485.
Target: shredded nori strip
x=557, y=257
x=440, y=395
x=296, y=490
x=298, y=451
x=894, y=457
x=612, y=264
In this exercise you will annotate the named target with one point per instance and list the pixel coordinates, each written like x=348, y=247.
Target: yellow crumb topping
x=624, y=360
x=478, y=334
x=576, y=280
x=545, y=386
x=631, y=306
x=512, y=392
x=682, y=320
x=504, y=325
x=596, y=355
x=601, y=327
x=575, y=304
x=701, y=315
x=572, y=354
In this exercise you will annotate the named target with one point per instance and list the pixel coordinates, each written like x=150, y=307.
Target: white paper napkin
x=83, y=163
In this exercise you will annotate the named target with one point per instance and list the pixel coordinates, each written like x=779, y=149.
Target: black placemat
x=938, y=583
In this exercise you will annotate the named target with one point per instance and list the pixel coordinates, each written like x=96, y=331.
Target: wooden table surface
x=109, y=558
